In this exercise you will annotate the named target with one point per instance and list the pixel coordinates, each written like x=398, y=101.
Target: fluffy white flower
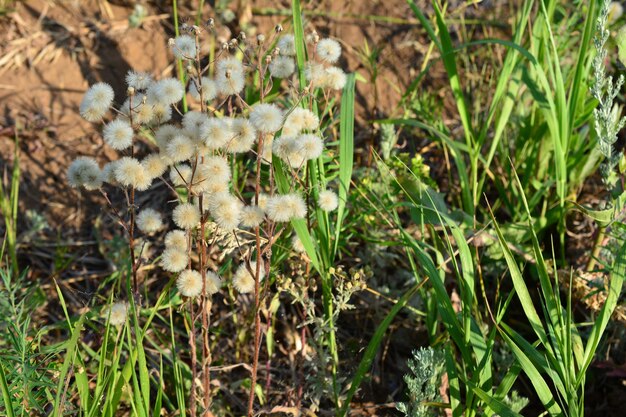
x=186, y=216
x=252, y=216
x=174, y=260
x=176, y=239
x=335, y=78
x=155, y=165
x=138, y=80
x=161, y=112
x=328, y=50
x=179, y=149
x=243, y=136
x=96, y=102
x=165, y=134
x=311, y=146
x=167, y=90
x=130, y=173
x=298, y=120
x=212, y=283
x=193, y=122
x=209, y=89
x=244, y=281
x=85, y=172
x=315, y=73
x=283, y=208
x=328, y=200
x=189, y=283
x=267, y=118
x=282, y=67
x=226, y=210
x=108, y=173
x=290, y=150
x=287, y=45
x=184, y=47
x=212, y=175
x=149, y=221
x=180, y=175
x=263, y=198
x=117, y=313
x=118, y=134
x=229, y=76
x=296, y=244
x=215, y=133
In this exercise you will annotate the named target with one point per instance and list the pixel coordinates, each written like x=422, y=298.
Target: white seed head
x=193, y=122
x=335, y=78
x=167, y=90
x=229, y=76
x=298, y=120
x=176, y=239
x=215, y=133
x=287, y=45
x=138, y=80
x=118, y=134
x=209, y=89
x=189, y=283
x=96, y=102
x=252, y=216
x=212, y=283
x=180, y=148
x=242, y=137
x=263, y=198
x=328, y=200
x=315, y=73
x=296, y=244
x=283, y=208
x=174, y=260
x=180, y=175
x=149, y=221
x=282, y=67
x=130, y=173
x=311, y=146
x=155, y=165
x=165, y=134
x=186, y=216
x=108, y=173
x=212, y=175
x=328, y=50
x=267, y=118
x=117, y=313
x=161, y=112
x=244, y=281
x=184, y=47
x=226, y=210
x=85, y=172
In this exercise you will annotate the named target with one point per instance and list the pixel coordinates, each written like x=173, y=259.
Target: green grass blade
x=298, y=33
x=346, y=153
x=540, y=385
x=70, y=352
x=6, y=395
x=493, y=403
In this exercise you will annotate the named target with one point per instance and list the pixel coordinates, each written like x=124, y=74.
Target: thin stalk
x=131, y=226
x=192, y=349
x=597, y=247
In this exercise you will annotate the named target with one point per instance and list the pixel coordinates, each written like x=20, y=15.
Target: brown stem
x=131, y=226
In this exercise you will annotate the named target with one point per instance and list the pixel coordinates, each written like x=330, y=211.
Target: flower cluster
x=196, y=154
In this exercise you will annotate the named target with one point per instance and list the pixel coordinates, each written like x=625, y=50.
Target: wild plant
x=240, y=142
